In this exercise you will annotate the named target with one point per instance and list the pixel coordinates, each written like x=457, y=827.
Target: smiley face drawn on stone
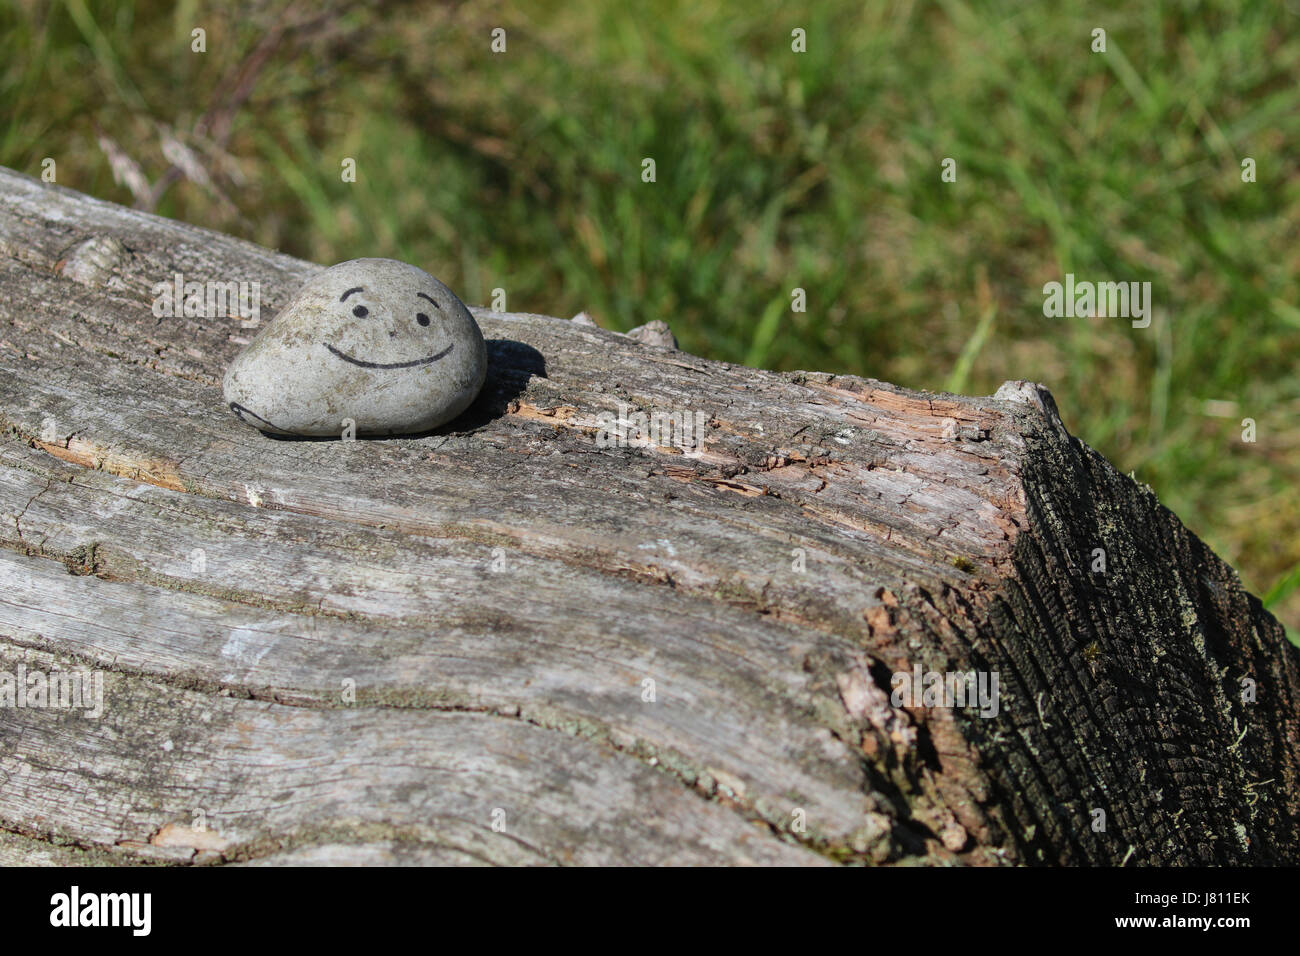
x=422, y=318
x=376, y=341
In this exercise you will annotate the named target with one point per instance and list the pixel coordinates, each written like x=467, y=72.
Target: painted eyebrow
x=435, y=304
x=345, y=295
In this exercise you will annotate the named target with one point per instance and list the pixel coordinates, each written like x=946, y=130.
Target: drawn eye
x=361, y=312
x=422, y=319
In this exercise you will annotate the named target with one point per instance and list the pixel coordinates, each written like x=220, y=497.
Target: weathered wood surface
x=498, y=592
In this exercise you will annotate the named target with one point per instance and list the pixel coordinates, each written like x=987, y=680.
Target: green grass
x=778, y=170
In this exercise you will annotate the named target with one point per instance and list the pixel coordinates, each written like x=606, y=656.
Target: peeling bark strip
x=508, y=642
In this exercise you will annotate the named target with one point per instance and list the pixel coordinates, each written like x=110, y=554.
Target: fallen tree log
x=515, y=641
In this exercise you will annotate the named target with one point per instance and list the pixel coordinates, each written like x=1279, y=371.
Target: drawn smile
x=411, y=364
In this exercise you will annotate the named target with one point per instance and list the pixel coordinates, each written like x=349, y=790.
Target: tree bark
x=505, y=643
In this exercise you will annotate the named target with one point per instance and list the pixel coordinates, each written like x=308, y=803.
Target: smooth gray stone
x=374, y=342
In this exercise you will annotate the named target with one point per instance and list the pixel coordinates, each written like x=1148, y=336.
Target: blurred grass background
x=775, y=170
